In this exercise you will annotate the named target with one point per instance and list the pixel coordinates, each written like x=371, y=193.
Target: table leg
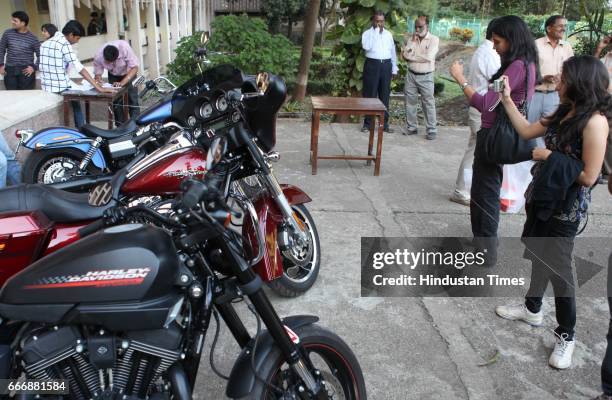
x=379, y=144
x=110, y=115
x=371, y=142
x=126, y=108
x=87, y=113
x=312, y=123
x=66, y=113
x=314, y=135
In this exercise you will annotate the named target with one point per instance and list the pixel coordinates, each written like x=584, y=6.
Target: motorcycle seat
x=126, y=129
x=57, y=205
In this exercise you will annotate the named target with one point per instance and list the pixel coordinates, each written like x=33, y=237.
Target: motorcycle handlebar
x=141, y=138
x=92, y=228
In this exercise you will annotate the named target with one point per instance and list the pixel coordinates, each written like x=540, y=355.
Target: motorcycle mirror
x=262, y=82
x=216, y=151
x=204, y=37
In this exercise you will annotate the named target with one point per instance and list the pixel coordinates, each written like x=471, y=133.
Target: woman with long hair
x=515, y=45
x=575, y=137
x=48, y=31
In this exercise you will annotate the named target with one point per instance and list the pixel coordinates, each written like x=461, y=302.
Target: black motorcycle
x=123, y=312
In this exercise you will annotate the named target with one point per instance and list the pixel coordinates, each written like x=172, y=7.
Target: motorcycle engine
x=102, y=365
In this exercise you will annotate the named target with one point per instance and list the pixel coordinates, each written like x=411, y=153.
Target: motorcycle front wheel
x=331, y=356
x=300, y=264
x=54, y=165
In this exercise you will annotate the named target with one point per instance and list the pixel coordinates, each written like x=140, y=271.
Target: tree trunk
x=310, y=26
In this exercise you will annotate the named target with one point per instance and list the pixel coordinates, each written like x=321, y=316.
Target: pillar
x=152, y=50
x=164, y=28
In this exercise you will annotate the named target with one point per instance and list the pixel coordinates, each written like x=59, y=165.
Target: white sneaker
x=519, y=312
x=561, y=357
x=460, y=199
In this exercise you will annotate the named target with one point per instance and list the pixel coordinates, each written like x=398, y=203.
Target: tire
x=328, y=352
x=298, y=279
x=38, y=160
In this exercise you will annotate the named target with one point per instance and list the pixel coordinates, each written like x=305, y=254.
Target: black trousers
x=15, y=79
x=606, y=365
x=377, y=83
x=549, y=248
x=118, y=104
x=484, y=204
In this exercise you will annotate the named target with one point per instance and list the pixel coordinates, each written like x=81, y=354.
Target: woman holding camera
x=513, y=42
x=575, y=137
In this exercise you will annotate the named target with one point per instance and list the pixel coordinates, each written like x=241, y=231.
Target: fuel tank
x=125, y=263
x=162, y=172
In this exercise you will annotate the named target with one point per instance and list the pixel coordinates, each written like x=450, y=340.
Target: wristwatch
x=464, y=85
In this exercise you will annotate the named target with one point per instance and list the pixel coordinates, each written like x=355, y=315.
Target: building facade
x=153, y=27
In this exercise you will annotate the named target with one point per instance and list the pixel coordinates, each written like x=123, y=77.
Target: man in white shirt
x=420, y=51
x=380, y=65
x=484, y=64
x=552, y=53
x=56, y=54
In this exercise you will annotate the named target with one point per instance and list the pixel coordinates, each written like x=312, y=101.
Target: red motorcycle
x=36, y=220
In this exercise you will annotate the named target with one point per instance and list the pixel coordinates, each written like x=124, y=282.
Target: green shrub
x=461, y=35
x=535, y=24
x=241, y=41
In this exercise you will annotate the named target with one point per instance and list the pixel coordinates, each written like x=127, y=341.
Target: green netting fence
x=442, y=27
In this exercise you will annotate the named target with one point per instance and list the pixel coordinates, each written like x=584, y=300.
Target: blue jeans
x=79, y=117
x=10, y=170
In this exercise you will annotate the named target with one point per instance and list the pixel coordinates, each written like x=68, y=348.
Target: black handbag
x=501, y=144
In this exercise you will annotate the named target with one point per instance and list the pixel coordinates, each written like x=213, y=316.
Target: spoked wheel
x=301, y=262
x=53, y=166
x=337, y=365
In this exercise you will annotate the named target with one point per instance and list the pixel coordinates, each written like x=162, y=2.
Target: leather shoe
x=430, y=136
x=407, y=132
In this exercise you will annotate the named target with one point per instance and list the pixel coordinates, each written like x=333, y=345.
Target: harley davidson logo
x=102, y=278
x=188, y=173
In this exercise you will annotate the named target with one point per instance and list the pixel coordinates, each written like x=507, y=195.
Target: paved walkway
x=419, y=348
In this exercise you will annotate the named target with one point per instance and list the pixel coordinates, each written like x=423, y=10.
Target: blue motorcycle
x=61, y=154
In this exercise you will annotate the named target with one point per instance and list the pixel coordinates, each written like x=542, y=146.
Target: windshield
x=223, y=77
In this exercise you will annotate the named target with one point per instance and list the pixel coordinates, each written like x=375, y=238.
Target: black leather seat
x=125, y=129
x=57, y=205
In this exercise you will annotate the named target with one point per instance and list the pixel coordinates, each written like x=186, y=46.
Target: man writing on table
x=118, y=58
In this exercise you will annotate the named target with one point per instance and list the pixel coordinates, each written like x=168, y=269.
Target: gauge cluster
x=212, y=107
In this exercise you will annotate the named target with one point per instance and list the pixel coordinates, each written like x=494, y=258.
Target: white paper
x=84, y=86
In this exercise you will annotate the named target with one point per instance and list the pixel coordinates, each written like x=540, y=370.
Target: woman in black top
x=558, y=198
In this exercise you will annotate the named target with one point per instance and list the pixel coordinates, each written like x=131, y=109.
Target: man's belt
x=419, y=73
x=380, y=61
x=545, y=91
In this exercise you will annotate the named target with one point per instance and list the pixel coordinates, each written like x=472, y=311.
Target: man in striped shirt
x=55, y=56
x=19, y=45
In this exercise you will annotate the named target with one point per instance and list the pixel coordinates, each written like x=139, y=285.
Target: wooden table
x=94, y=96
x=347, y=106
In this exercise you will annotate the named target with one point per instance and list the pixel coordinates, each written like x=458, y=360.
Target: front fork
x=252, y=286
x=289, y=218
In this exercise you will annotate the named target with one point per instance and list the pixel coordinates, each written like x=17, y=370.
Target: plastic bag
x=516, y=179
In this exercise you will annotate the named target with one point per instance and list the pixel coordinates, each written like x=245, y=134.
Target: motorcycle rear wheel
x=48, y=166
x=298, y=278
x=330, y=355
